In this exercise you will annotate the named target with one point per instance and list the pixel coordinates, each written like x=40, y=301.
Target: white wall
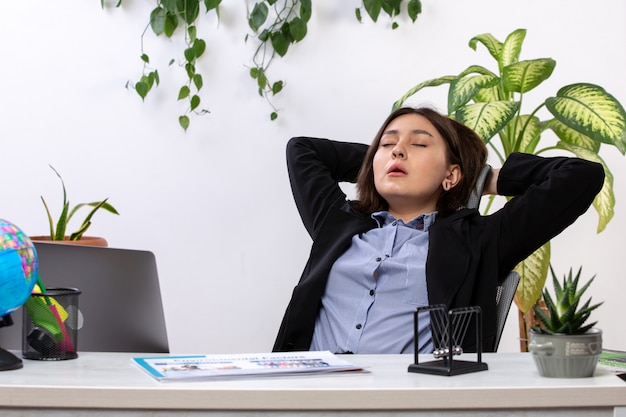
x=214, y=203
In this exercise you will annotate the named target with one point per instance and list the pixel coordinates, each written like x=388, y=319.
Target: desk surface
x=110, y=380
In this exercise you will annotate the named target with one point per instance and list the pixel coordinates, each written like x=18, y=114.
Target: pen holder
x=50, y=326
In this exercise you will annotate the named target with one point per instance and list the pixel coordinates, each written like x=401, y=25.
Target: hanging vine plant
x=276, y=25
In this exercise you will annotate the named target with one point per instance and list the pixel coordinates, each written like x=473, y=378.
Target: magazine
x=189, y=367
x=613, y=360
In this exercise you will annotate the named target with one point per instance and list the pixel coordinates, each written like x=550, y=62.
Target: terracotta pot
x=84, y=241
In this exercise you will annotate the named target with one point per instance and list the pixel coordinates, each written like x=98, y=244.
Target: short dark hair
x=464, y=147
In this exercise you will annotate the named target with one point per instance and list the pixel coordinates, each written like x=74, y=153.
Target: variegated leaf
x=487, y=119
x=462, y=90
x=589, y=109
x=523, y=76
x=487, y=95
x=526, y=132
x=447, y=79
x=493, y=45
x=604, y=203
x=533, y=272
x=512, y=48
x=573, y=137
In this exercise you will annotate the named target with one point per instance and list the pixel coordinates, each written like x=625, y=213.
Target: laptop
x=120, y=298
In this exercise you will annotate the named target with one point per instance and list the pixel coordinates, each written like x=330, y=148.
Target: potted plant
x=58, y=231
x=563, y=344
x=580, y=118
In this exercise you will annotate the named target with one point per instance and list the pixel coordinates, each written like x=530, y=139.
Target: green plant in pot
x=579, y=119
x=58, y=232
x=564, y=344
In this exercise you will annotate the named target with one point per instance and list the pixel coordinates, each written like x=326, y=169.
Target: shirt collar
x=421, y=222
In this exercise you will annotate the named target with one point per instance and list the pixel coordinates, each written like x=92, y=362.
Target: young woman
x=407, y=241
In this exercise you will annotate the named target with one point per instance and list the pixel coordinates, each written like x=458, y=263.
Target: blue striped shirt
x=374, y=288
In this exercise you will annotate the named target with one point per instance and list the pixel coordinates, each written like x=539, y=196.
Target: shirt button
x=379, y=259
x=358, y=326
x=394, y=223
x=372, y=292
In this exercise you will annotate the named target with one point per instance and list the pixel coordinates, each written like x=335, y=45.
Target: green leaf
x=604, y=202
x=190, y=54
x=145, y=58
x=264, y=35
x=589, y=109
x=183, y=92
x=512, y=48
x=199, y=46
x=197, y=81
x=277, y=87
x=190, y=69
x=530, y=130
x=142, y=89
x=50, y=221
x=169, y=5
x=463, y=89
x=430, y=83
x=305, y=10
x=192, y=32
x=573, y=137
x=254, y=72
x=158, y=17
x=284, y=30
x=171, y=23
x=493, y=45
x=533, y=272
x=194, y=102
x=273, y=116
x=211, y=4
x=62, y=223
x=373, y=7
x=487, y=95
x=523, y=76
x=297, y=29
x=190, y=10
x=414, y=8
x=357, y=13
x=391, y=7
x=183, y=121
x=279, y=43
x=258, y=16
x=487, y=119
x=261, y=80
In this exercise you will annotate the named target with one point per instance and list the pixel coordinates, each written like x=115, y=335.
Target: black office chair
x=506, y=290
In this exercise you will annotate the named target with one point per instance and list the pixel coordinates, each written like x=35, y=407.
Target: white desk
x=108, y=384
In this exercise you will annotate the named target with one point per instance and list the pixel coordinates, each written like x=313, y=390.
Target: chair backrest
x=504, y=299
x=506, y=290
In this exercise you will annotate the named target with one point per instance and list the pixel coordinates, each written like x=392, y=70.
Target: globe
x=18, y=275
x=18, y=267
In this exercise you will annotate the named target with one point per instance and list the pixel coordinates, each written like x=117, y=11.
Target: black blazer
x=468, y=255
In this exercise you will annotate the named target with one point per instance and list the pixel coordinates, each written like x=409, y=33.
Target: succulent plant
x=563, y=315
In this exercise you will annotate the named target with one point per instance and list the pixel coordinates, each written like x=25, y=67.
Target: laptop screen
x=120, y=298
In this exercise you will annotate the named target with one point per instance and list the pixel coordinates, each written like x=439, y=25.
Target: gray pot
x=566, y=356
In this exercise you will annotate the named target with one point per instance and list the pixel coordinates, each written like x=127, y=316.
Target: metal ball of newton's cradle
x=444, y=352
